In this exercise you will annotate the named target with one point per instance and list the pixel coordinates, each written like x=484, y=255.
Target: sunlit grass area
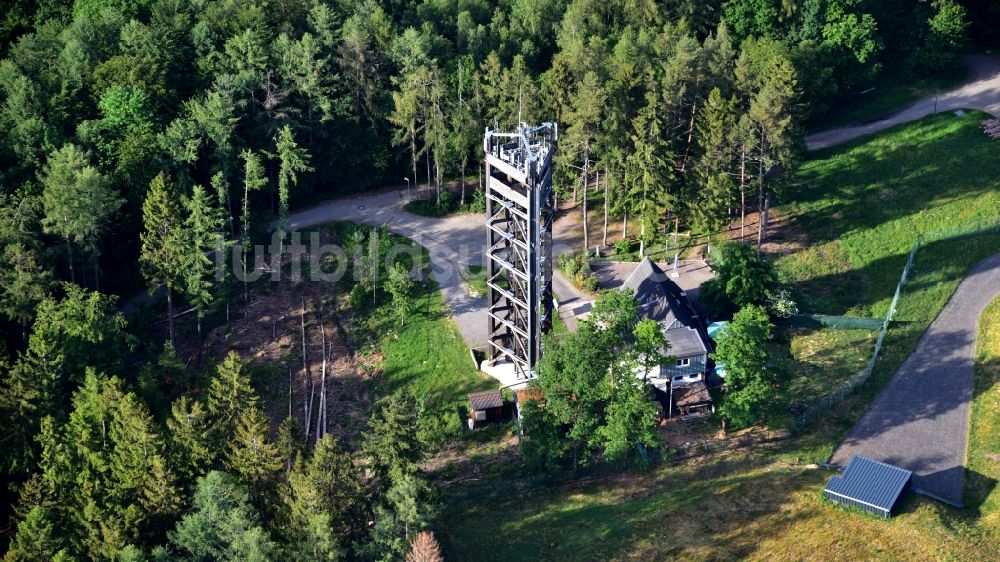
x=820, y=359
x=743, y=506
x=857, y=208
x=982, y=493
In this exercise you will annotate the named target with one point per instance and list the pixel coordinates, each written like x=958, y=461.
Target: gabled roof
x=485, y=400
x=868, y=485
x=662, y=300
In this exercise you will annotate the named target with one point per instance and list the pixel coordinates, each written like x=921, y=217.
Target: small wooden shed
x=485, y=407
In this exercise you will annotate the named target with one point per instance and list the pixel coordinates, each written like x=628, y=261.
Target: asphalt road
x=452, y=242
x=920, y=421
x=982, y=92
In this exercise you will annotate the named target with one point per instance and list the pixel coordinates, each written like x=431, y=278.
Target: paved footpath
x=920, y=421
x=452, y=242
x=982, y=92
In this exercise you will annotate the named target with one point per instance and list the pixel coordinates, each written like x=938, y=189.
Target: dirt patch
x=268, y=334
x=782, y=235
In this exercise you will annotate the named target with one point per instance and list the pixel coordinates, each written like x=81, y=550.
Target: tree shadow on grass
x=893, y=175
x=726, y=505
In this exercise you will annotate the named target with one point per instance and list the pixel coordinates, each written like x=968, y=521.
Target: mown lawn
x=856, y=209
x=820, y=359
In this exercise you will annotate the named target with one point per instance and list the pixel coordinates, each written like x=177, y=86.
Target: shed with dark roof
x=871, y=486
x=485, y=407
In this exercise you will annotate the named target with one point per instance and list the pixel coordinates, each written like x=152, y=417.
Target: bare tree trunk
x=321, y=416
x=288, y=461
x=464, y=162
x=306, y=404
x=413, y=153
x=743, y=192
x=607, y=203
x=170, y=313
x=760, y=193
x=586, y=180
x=765, y=217
x=69, y=250
x=625, y=226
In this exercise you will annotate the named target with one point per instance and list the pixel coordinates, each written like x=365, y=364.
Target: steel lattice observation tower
x=520, y=209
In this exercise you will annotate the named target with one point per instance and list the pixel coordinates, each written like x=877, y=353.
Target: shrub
x=478, y=204
x=359, y=297
x=781, y=305
x=623, y=247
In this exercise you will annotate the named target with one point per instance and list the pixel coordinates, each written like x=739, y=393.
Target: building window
x=684, y=362
x=679, y=378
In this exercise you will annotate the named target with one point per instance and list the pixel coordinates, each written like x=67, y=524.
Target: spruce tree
x=229, y=395
x=391, y=442
x=250, y=453
x=191, y=447
x=713, y=193
x=292, y=161
x=203, y=228
x=163, y=245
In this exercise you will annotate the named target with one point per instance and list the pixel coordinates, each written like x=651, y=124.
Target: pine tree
x=163, y=246
x=37, y=538
x=391, y=442
x=78, y=200
x=291, y=442
x=224, y=525
x=710, y=201
x=27, y=394
x=649, y=171
x=253, y=180
x=584, y=119
x=400, y=285
x=326, y=496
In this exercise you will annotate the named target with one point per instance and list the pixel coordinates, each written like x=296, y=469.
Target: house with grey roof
x=683, y=328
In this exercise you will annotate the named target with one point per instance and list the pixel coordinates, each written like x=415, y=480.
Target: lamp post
x=407, y=188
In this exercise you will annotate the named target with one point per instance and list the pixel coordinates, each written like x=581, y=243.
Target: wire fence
x=823, y=405
x=840, y=322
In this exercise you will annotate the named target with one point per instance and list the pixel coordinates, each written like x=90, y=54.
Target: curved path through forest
x=982, y=92
x=451, y=241
x=920, y=421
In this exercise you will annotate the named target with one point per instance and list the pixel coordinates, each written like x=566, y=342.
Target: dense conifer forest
x=139, y=136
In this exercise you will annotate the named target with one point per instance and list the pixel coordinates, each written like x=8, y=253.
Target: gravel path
x=920, y=421
x=982, y=93
x=452, y=242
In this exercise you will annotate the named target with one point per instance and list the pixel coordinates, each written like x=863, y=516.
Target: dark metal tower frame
x=520, y=209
